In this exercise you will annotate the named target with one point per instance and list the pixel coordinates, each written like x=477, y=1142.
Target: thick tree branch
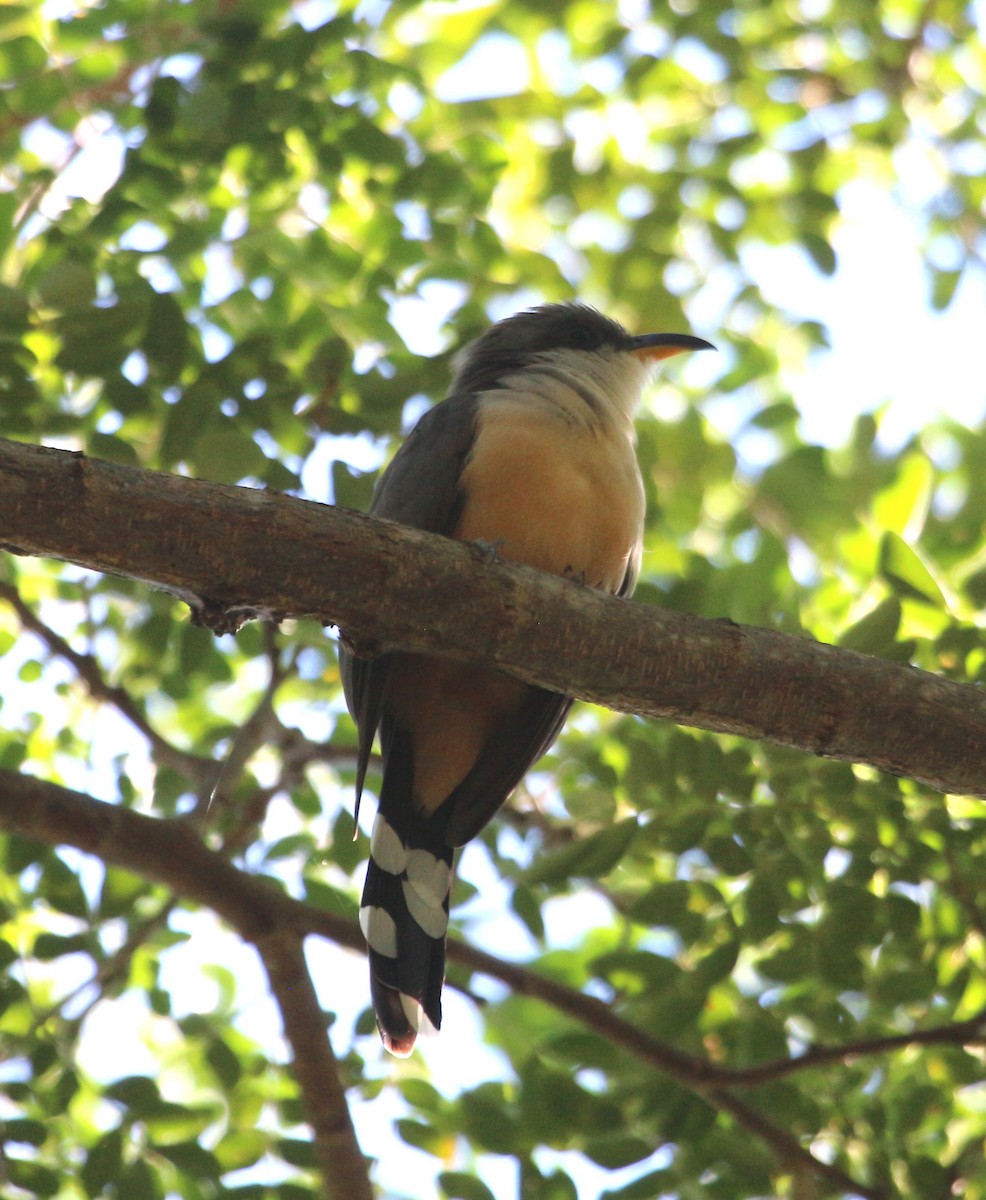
x=234, y=553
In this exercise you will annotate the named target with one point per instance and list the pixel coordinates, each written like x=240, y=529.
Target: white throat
x=592, y=387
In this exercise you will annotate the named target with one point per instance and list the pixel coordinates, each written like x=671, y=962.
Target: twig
x=111, y=969
x=200, y=770
x=253, y=733
x=315, y=1068
x=960, y=1033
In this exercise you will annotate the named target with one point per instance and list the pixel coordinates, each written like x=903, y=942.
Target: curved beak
x=654, y=346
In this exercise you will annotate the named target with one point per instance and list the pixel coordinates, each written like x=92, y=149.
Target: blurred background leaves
x=240, y=241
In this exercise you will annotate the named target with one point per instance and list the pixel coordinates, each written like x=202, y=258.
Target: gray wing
x=503, y=764
x=420, y=488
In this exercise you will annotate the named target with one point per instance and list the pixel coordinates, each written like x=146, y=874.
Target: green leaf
x=617, y=1150
x=590, y=857
x=663, y=904
x=458, y=1186
x=296, y=1152
x=331, y=899
x=820, y=251
x=944, y=285
x=48, y=946
x=135, y=1092
x=224, y=1063
x=67, y=284
x=31, y=1133
x=111, y=448
x=166, y=340
x=906, y=573
x=241, y=1149
x=15, y=308
x=488, y=1118
x=138, y=1181
x=654, y=1183
x=876, y=632
x=228, y=455
x=419, y=1135
x=120, y=891
x=103, y=1162
x=96, y=339
x=191, y=1158
x=61, y=888
x=32, y=1177
x=421, y=1094
x=524, y=903
x=20, y=56
x=8, y=955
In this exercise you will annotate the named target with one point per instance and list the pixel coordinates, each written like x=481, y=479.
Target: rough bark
x=234, y=553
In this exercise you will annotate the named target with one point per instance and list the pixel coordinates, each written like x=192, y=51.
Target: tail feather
x=404, y=910
x=399, y=1018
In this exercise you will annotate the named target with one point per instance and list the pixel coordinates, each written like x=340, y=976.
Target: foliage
x=222, y=221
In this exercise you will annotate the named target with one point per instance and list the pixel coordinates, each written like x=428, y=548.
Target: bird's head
x=572, y=338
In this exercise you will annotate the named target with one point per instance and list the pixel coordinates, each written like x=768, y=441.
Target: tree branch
x=971, y=1032
x=343, y=1167
x=169, y=852
x=201, y=770
x=235, y=553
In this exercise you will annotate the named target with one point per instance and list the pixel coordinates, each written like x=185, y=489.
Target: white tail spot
x=386, y=847
x=379, y=930
x=432, y=918
x=429, y=876
x=412, y=1010
x=417, y=1018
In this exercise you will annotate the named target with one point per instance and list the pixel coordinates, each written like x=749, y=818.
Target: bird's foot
x=486, y=552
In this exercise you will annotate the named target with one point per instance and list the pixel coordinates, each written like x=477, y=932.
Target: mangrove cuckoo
x=533, y=453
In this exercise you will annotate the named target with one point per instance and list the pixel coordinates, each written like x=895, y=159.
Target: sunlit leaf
x=902, y=567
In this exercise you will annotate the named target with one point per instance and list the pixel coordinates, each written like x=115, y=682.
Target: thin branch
x=295, y=750
x=253, y=733
x=167, y=851
x=791, y=1154
x=697, y=1075
x=315, y=1068
x=295, y=753
x=113, y=968
x=200, y=770
x=388, y=586
x=170, y=852
x=971, y=1032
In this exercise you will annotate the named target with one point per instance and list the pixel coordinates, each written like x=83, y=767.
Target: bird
x=533, y=453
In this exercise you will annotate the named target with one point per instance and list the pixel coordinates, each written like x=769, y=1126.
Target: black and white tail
x=404, y=910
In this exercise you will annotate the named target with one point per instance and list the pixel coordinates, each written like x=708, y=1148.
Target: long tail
x=404, y=911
